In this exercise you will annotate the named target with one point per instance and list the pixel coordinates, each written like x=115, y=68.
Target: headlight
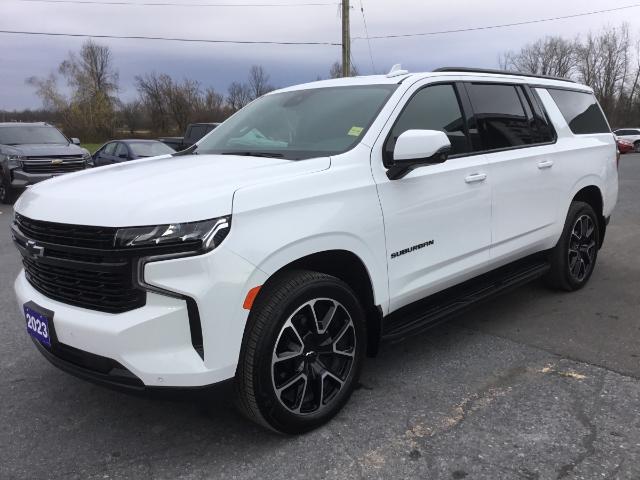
x=88, y=159
x=190, y=237
x=14, y=161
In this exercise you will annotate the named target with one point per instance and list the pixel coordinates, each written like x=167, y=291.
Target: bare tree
x=238, y=95
x=184, y=100
x=131, y=115
x=553, y=56
x=91, y=73
x=336, y=70
x=603, y=64
x=603, y=60
x=152, y=95
x=258, y=82
x=212, y=106
x=93, y=82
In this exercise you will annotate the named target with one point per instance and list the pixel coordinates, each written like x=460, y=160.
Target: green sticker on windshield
x=355, y=131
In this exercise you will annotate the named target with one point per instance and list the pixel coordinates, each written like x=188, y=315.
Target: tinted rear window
x=581, y=111
x=501, y=116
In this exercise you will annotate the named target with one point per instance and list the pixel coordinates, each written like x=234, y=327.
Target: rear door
x=519, y=146
x=438, y=217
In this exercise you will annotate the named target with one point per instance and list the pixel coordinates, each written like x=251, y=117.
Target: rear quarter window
x=581, y=111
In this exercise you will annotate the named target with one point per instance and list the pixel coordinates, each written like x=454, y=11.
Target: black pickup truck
x=195, y=131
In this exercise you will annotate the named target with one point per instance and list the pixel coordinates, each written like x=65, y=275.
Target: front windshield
x=300, y=124
x=29, y=134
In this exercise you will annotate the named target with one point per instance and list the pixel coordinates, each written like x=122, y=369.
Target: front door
x=438, y=217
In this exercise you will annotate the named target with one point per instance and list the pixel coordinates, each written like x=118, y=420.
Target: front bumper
x=153, y=343
x=21, y=180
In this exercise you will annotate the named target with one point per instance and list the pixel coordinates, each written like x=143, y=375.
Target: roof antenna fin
x=396, y=71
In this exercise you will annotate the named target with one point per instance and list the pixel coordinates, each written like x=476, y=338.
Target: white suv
x=314, y=223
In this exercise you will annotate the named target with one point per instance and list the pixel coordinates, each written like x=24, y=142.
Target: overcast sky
x=218, y=64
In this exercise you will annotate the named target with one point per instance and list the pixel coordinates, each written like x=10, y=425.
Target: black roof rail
x=500, y=72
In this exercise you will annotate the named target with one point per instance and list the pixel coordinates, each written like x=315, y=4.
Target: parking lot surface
x=534, y=385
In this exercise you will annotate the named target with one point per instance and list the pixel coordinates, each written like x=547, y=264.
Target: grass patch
x=92, y=147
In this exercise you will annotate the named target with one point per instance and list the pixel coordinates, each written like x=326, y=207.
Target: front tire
x=574, y=257
x=302, y=353
x=7, y=193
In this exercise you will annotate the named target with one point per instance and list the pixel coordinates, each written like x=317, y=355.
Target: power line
x=503, y=25
x=168, y=39
x=168, y=4
x=366, y=32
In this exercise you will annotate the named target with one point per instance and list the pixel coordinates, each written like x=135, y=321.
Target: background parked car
x=124, y=150
x=625, y=146
x=195, y=132
x=32, y=152
x=630, y=134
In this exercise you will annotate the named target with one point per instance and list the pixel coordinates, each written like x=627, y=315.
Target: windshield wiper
x=255, y=154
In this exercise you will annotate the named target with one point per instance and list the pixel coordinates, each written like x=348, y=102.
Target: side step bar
x=443, y=305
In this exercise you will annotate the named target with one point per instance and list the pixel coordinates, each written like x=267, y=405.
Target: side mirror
x=75, y=141
x=416, y=148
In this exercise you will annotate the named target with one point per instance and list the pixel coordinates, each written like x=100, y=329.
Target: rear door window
x=581, y=111
x=501, y=117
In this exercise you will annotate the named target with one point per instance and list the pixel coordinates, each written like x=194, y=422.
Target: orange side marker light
x=251, y=296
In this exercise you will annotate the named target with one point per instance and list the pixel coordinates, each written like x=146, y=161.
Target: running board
x=443, y=305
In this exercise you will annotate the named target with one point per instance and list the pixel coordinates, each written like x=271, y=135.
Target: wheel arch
x=351, y=269
x=592, y=195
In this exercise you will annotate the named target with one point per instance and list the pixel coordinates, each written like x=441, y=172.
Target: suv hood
x=156, y=190
x=46, y=150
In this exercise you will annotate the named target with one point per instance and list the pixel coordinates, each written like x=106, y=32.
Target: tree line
x=89, y=106
x=608, y=61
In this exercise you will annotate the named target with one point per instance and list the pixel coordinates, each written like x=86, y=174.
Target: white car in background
x=631, y=135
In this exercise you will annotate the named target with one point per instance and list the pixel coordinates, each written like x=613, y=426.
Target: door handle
x=545, y=164
x=475, y=177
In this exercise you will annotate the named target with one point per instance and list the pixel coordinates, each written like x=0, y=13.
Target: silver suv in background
x=32, y=152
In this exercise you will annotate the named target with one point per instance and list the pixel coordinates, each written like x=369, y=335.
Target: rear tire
x=302, y=353
x=574, y=257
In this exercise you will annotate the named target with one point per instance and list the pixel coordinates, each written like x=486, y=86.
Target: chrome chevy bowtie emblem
x=34, y=249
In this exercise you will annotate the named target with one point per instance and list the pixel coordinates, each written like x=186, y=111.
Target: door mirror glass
x=415, y=148
x=75, y=141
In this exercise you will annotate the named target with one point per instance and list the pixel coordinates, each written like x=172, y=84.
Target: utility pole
x=346, y=40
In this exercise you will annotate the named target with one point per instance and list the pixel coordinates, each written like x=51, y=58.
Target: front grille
x=55, y=157
x=111, y=292
x=67, y=235
x=50, y=168
x=79, y=266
